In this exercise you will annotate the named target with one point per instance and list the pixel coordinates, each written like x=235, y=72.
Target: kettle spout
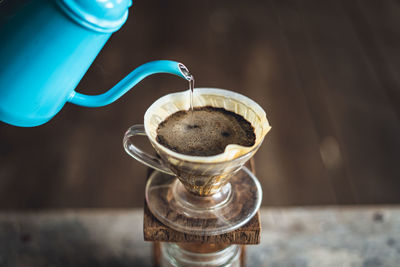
x=133, y=78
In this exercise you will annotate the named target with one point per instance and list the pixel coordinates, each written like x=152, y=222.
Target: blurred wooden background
x=326, y=72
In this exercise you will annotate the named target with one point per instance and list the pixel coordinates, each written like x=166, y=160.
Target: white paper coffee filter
x=231, y=101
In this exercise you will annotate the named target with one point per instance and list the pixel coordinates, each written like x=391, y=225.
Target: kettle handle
x=133, y=78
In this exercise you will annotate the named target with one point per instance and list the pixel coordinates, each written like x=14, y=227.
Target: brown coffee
x=204, y=132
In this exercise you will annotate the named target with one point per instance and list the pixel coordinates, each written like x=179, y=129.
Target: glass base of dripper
x=230, y=208
x=190, y=202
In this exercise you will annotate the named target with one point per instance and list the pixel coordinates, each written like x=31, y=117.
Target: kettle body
x=48, y=47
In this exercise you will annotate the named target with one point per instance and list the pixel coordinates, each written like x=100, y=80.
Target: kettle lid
x=98, y=15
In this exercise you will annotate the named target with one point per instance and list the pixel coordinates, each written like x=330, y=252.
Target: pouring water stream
x=190, y=78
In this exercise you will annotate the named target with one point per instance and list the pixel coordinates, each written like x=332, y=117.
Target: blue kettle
x=48, y=45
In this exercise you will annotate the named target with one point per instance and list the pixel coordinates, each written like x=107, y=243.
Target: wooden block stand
x=156, y=232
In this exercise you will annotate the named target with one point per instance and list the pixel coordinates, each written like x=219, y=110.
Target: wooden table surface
x=300, y=237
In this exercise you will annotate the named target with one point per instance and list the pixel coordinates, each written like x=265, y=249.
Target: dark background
x=326, y=72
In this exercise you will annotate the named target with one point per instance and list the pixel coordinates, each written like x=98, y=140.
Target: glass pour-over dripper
x=194, y=194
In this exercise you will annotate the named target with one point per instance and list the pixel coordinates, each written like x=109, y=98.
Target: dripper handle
x=140, y=155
